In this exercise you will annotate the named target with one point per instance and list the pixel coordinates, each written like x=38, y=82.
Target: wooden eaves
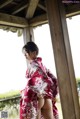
x=12, y=19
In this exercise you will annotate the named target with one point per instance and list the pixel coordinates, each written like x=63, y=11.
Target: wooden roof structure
x=32, y=11
x=27, y=14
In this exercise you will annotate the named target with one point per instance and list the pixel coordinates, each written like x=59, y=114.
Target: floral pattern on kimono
x=40, y=82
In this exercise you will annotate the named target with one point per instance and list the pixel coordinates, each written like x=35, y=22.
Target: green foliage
x=78, y=79
x=9, y=99
x=12, y=110
x=9, y=94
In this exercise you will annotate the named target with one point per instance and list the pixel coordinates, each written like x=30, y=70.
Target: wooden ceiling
x=34, y=10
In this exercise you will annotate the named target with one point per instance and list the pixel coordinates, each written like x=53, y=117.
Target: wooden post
x=63, y=59
x=28, y=34
x=32, y=34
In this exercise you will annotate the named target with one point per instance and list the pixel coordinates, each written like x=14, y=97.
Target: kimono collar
x=37, y=60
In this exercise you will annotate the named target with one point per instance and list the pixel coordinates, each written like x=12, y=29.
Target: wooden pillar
x=28, y=34
x=32, y=34
x=63, y=59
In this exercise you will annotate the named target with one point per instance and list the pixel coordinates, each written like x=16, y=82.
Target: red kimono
x=40, y=82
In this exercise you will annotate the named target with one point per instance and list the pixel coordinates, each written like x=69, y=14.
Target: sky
x=74, y=36
x=13, y=63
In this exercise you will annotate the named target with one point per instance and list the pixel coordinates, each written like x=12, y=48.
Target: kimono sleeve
x=55, y=82
x=37, y=82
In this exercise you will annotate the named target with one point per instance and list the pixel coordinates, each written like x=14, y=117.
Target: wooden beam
x=10, y=20
x=3, y=3
x=70, y=11
x=31, y=8
x=39, y=20
x=63, y=60
x=42, y=7
x=14, y=3
x=73, y=10
x=19, y=7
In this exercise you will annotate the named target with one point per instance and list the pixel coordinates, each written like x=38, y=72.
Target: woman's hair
x=30, y=47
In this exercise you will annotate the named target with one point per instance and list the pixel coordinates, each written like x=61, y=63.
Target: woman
x=38, y=97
